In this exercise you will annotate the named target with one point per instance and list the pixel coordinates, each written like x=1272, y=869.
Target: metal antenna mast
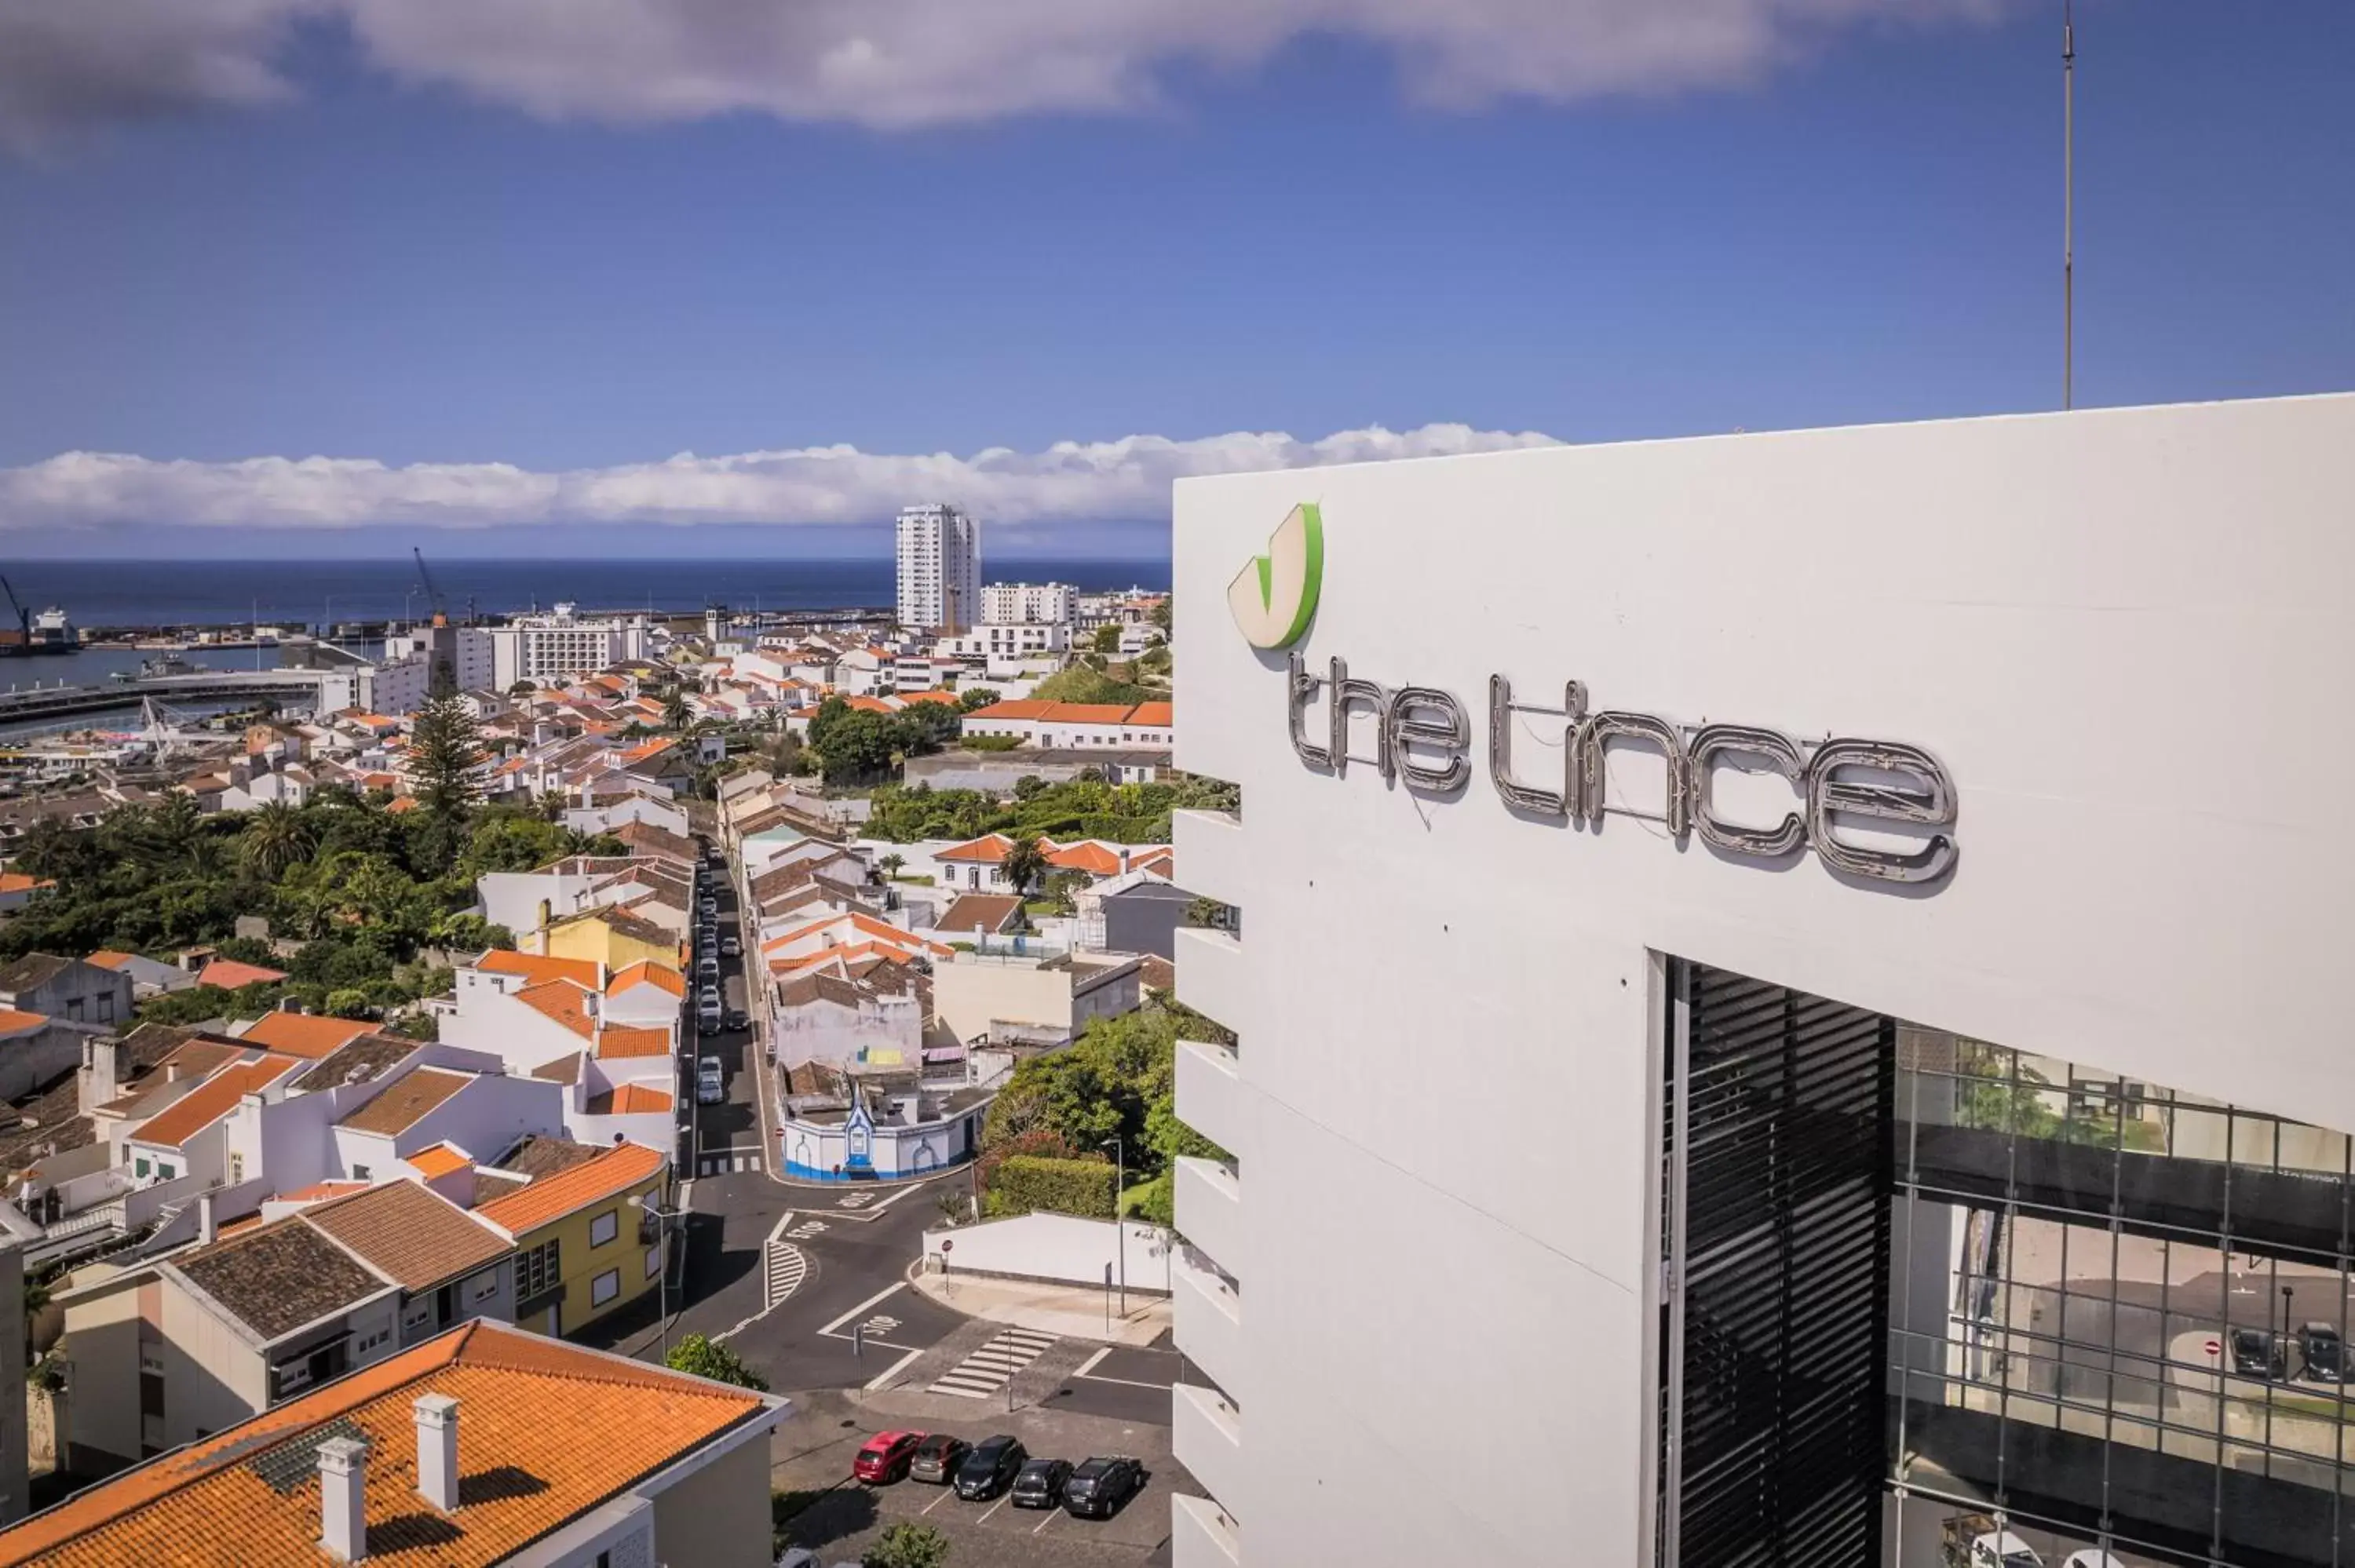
x=2068, y=203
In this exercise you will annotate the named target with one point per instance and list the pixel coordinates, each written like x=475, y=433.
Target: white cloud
x=1070, y=481
x=887, y=64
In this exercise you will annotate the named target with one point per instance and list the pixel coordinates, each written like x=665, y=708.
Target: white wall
x=1056, y=1247
x=2123, y=633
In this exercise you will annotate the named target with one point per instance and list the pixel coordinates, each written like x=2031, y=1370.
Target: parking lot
x=842, y=1517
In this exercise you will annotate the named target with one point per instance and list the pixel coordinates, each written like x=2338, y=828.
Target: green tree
x=699, y=1355
x=1207, y=911
x=1161, y=613
x=523, y=689
x=1106, y=639
x=1025, y=863
x=276, y=838
x=349, y=1003
x=975, y=698
x=910, y=1543
x=891, y=866
x=446, y=758
x=676, y=715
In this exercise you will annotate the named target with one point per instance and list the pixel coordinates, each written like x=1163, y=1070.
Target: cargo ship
x=50, y=632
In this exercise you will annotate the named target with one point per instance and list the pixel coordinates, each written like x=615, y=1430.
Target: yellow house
x=614, y=937
x=582, y=1248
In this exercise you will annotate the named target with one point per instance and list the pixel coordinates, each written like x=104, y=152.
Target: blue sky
x=403, y=258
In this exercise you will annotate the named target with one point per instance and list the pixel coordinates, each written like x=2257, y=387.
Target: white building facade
x=940, y=567
x=542, y=647
x=1016, y=604
x=1858, y=878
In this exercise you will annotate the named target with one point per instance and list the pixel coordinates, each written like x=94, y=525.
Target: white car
x=710, y=1089
x=2003, y=1550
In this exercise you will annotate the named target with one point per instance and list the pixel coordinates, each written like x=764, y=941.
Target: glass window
x=654, y=1261
x=604, y=1287
x=604, y=1227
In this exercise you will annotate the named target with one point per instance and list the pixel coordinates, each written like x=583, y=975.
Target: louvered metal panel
x=1775, y=1238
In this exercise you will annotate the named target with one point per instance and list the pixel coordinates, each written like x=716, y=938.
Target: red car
x=885, y=1458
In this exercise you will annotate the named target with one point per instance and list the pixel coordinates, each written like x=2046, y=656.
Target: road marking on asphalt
x=994, y=1365
x=1048, y=1520
x=1091, y=1363
x=876, y=1300
x=894, y=1370
x=807, y=1229
x=935, y=1502
x=993, y=1509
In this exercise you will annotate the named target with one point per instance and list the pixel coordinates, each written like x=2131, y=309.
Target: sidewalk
x=1066, y=1311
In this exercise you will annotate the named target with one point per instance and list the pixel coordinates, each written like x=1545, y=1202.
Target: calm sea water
x=310, y=593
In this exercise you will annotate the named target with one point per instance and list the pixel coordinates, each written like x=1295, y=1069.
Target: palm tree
x=890, y=865
x=276, y=838
x=676, y=715
x=1023, y=866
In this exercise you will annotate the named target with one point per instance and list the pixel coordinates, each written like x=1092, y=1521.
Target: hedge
x=1023, y=1182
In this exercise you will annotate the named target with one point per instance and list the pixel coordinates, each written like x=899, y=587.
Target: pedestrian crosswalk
x=728, y=1161
x=993, y=1366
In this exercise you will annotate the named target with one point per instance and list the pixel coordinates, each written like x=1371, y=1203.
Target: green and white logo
x=1274, y=598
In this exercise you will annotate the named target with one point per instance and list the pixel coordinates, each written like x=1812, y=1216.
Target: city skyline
x=315, y=287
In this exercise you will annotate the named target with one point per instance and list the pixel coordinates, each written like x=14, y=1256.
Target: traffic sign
x=2215, y=1347
x=948, y=1244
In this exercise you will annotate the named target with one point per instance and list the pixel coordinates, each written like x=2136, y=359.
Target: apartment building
x=1020, y=604
x=465, y=1448
x=940, y=568
x=1931, y=1148
x=1004, y=640
x=547, y=647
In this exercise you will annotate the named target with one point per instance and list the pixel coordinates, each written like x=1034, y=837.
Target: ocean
x=295, y=594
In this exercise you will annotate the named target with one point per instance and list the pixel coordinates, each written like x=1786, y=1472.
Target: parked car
x=737, y=1018
x=707, y=967
x=2259, y=1353
x=2003, y=1550
x=708, y=1019
x=2093, y=1557
x=1041, y=1483
x=2323, y=1351
x=709, y=1087
x=732, y=945
x=708, y=995
x=936, y=1459
x=1099, y=1486
x=990, y=1468
x=710, y=907
x=885, y=1458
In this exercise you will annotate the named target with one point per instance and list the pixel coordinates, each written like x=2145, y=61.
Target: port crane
x=24, y=617
x=432, y=594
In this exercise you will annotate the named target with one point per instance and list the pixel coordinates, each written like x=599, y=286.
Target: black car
x=2323, y=1351
x=737, y=1018
x=2256, y=1353
x=1041, y=1483
x=1098, y=1487
x=937, y=1458
x=993, y=1463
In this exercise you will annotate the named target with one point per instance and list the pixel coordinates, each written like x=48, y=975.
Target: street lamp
x=1119, y=1233
x=662, y=1218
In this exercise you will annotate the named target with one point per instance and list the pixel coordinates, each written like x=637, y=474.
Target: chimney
x=289, y=1004
x=206, y=1233
x=101, y=1070
x=437, y=1450
x=343, y=1507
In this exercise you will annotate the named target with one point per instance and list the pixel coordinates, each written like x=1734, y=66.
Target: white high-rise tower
x=940, y=567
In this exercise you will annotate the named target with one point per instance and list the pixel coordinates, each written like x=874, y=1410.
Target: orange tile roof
x=538, y=968
x=869, y=705
x=563, y=1002
x=320, y=1191
x=987, y=850
x=866, y=924
x=619, y=1044
x=105, y=959
x=304, y=1034
x=410, y=1234
x=1160, y=862
x=1022, y=708
x=930, y=697
x=13, y=1019
x=19, y=882
x=630, y=1099
x=229, y=974
x=438, y=1161
x=524, y=1401
x=400, y=1104
x=1085, y=856
x=1086, y=712
x=211, y=1100
x=618, y=1170
x=401, y=803
x=1160, y=715
x=646, y=972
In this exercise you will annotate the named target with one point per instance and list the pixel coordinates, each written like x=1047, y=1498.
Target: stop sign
x=2215, y=1347
x=948, y=1244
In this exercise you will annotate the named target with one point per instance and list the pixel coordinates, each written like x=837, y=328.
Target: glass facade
x=2118, y=1314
